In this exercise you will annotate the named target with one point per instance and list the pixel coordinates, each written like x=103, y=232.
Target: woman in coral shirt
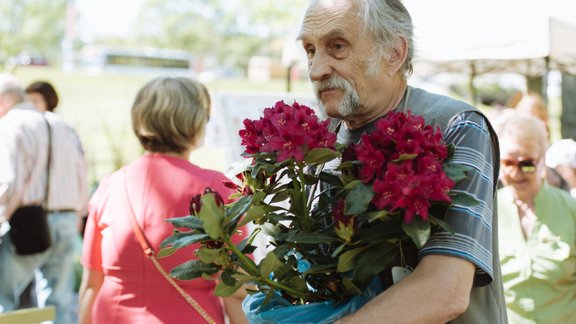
x=119, y=284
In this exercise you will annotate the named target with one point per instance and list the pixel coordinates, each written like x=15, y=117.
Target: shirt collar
x=24, y=106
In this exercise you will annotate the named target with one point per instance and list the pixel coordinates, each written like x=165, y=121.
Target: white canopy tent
x=528, y=37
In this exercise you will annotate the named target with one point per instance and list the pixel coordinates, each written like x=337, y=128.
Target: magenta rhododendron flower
x=403, y=158
x=288, y=131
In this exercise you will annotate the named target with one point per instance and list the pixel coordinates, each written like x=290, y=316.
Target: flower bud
x=195, y=205
x=230, y=184
x=217, y=198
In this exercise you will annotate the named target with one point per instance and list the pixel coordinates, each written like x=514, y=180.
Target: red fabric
x=159, y=187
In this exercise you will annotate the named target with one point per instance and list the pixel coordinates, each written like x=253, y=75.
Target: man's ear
x=397, y=56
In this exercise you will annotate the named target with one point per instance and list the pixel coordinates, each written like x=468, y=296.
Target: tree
x=31, y=26
x=231, y=31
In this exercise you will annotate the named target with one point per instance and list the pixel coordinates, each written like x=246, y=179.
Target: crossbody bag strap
x=149, y=252
x=48, y=162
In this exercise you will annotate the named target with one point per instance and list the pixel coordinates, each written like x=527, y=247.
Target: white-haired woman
x=537, y=228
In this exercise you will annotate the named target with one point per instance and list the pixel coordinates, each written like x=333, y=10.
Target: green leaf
x=166, y=252
x=320, y=268
x=310, y=179
x=462, y=198
x=269, y=264
x=280, y=196
x=239, y=207
x=380, y=232
x=320, y=155
x=330, y=178
x=405, y=156
x=258, y=197
x=378, y=215
x=244, y=278
x=217, y=256
x=255, y=212
x=418, y=230
x=227, y=277
x=182, y=239
x=348, y=165
x=347, y=261
x=207, y=277
x=186, y=221
x=224, y=290
x=373, y=261
x=212, y=216
x=297, y=283
x=442, y=224
x=310, y=238
x=352, y=184
x=349, y=287
x=297, y=204
x=193, y=269
x=358, y=200
x=456, y=172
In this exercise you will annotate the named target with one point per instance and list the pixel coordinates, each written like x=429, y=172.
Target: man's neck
x=397, y=95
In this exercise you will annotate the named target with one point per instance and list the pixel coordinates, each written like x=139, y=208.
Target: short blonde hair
x=170, y=114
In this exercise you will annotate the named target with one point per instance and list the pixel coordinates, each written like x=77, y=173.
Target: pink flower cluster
x=402, y=158
x=290, y=131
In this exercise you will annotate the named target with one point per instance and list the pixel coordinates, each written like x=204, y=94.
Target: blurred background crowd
x=90, y=58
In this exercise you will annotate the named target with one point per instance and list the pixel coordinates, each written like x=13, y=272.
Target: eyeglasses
x=524, y=165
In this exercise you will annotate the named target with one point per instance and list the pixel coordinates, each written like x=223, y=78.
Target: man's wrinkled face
x=339, y=54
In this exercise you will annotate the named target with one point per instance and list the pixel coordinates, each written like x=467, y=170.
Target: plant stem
x=306, y=217
x=246, y=262
x=315, y=186
x=251, y=268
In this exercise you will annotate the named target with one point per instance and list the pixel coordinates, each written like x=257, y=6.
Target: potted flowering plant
x=332, y=233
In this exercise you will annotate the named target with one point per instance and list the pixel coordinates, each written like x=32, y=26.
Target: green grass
x=98, y=107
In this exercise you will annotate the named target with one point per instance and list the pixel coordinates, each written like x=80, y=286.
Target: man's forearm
x=436, y=292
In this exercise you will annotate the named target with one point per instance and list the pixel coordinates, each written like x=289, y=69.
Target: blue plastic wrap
x=278, y=310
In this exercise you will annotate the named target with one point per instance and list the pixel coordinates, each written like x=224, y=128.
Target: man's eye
x=339, y=49
x=310, y=51
x=339, y=45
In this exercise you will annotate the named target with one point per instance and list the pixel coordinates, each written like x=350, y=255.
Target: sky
x=116, y=17
x=107, y=17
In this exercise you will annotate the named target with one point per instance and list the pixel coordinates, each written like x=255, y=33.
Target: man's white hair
x=10, y=87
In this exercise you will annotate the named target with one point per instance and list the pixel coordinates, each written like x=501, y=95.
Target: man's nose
x=319, y=67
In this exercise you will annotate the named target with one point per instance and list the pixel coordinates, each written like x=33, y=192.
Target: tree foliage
x=35, y=27
x=231, y=31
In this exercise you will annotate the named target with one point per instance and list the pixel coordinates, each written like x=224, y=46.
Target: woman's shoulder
x=560, y=198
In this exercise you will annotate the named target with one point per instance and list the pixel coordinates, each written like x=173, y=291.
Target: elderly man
x=24, y=145
x=360, y=54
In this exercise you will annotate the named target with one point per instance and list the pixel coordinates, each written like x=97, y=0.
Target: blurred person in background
x=533, y=104
x=537, y=228
x=120, y=284
x=561, y=156
x=42, y=95
x=25, y=141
